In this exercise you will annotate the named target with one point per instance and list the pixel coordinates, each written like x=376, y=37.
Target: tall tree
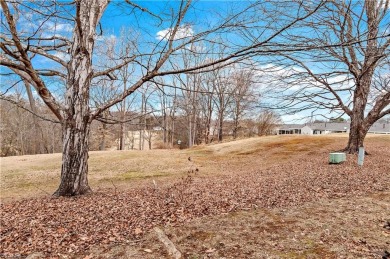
x=38, y=51
x=206, y=109
x=244, y=96
x=223, y=90
x=349, y=49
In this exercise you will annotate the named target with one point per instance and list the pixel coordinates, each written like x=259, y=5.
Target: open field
x=271, y=197
x=38, y=175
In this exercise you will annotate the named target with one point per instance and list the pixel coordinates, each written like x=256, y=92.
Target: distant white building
x=328, y=127
x=140, y=139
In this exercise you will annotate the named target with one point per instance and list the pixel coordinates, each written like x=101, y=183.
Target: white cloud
x=64, y=27
x=182, y=32
x=59, y=27
x=47, y=29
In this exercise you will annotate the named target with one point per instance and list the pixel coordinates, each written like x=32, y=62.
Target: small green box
x=337, y=158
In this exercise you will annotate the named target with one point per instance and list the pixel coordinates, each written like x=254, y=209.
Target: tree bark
x=357, y=133
x=359, y=124
x=74, y=169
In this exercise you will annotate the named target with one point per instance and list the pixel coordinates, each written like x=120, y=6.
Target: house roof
x=333, y=126
x=336, y=126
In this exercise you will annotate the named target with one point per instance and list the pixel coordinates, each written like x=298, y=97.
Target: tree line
x=193, y=115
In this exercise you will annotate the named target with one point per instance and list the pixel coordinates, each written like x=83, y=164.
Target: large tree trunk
x=76, y=128
x=74, y=171
x=77, y=116
x=359, y=126
x=357, y=133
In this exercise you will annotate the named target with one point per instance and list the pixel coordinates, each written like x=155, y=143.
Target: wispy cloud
x=63, y=27
x=58, y=27
x=183, y=32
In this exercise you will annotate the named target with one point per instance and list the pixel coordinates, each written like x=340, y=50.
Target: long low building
x=328, y=127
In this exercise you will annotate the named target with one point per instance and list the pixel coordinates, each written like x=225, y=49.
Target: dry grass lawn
x=38, y=175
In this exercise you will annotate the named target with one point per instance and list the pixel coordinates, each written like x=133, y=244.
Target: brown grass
x=38, y=175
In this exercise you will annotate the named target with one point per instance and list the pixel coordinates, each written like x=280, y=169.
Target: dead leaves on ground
x=72, y=225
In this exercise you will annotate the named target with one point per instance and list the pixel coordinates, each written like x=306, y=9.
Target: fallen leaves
x=138, y=231
x=72, y=225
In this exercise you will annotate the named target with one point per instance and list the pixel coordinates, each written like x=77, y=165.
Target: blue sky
x=200, y=18
x=119, y=15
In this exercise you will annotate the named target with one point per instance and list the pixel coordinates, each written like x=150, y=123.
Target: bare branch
x=30, y=73
x=112, y=69
x=143, y=9
x=26, y=109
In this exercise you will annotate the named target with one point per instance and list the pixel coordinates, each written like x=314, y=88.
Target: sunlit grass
x=28, y=176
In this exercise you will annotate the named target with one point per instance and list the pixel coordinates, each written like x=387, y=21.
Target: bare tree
x=244, y=96
x=168, y=103
x=69, y=57
x=223, y=90
x=206, y=109
x=266, y=122
x=145, y=126
x=349, y=50
x=190, y=86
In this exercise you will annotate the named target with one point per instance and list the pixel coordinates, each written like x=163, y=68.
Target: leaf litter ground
x=299, y=207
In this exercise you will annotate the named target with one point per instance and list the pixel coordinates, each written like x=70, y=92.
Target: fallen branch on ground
x=172, y=250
